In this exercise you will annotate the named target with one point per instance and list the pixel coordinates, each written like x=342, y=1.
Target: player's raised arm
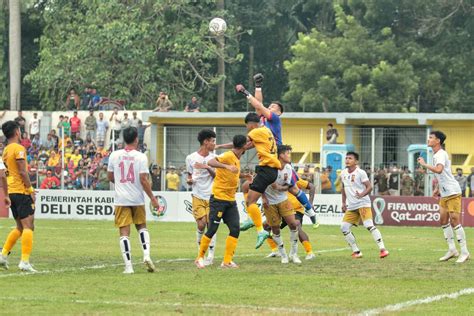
x=258, y=80
x=254, y=102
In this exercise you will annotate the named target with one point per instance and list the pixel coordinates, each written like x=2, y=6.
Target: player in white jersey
x=277, y=206
x=356, y=205
x=201, y=176
x=450, y=203
x=128, y=170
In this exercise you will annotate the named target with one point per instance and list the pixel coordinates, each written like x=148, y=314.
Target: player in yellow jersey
x=262, y=139
x=300, y=212
x=222, y=203
x=22, y=196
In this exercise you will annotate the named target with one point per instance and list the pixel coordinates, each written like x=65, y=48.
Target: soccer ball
x=217, y=26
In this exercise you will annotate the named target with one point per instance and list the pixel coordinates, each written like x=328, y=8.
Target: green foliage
x=127, y=50
x=321, y=55
x=388, y=56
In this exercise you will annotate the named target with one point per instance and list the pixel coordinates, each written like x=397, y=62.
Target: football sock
x=313, y=219
x=271, y=243
x=377, y=237
x=307, y=246
x=294, y=241
x=350, y=238
x=199, y=234
x=449, y=236
x=461, y=236
x=145, y=240
x=254, y=213
x=11, y=241
x=126, y=250
x=279, y=242
x=303, y=199
x=205, y=241
x=26, y=244
x=212, y=245
x=230, y=245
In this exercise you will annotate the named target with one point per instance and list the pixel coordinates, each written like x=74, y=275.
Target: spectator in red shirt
x=25, y=141
x=50, y=182
x=75, y=125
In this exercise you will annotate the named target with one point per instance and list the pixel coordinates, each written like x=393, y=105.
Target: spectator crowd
x=75, y=151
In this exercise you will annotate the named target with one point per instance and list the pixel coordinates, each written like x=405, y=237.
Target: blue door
x=335, y=161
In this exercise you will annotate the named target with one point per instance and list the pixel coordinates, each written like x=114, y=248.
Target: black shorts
x=22, y=205
x=265, y=176
x=298, y=216
x=226, y=210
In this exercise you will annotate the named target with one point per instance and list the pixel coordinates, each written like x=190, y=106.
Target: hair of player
x=205, y=134
x=280, y=105
x=252, y=117
x=129, y=135
x=9, y=128
x=239, y=141
x=283, y=148
x=354, y=154
x=439, y=135
x=330, y=124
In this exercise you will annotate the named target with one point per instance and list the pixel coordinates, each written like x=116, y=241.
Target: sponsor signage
x=405, y=210
x=177, y=207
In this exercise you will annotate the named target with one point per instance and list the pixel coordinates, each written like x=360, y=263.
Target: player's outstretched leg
x=350, y=238
x=369, y=224
x=254, y=212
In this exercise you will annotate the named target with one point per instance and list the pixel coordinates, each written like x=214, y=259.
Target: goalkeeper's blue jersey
x=274, y=124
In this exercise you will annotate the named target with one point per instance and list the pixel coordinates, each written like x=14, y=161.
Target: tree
x=130, y=50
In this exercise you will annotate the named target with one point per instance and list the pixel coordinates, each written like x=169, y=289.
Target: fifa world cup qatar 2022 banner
x=415, y=211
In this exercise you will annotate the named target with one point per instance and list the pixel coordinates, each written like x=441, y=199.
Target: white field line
x=111, y=265
x=297, y=310
x=426, y=300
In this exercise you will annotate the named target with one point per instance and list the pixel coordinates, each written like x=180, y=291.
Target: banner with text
x=177, y=207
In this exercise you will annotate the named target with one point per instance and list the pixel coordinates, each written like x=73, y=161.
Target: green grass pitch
x=81, y=273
